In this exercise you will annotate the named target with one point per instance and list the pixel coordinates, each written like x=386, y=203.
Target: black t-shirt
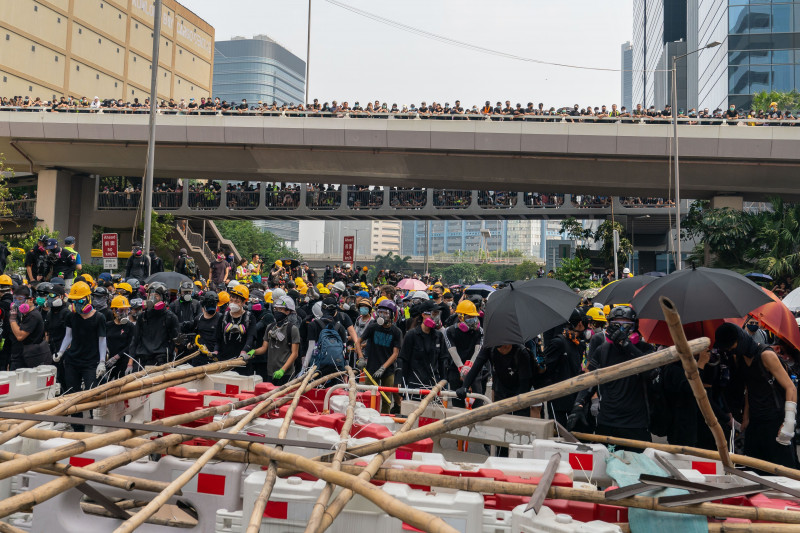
x=231, y=343
x=218, y=271
x=86, y=333
x=622, y=402
x=344, y=319
x=118, y=337
x=32, y=323
x=56, y=326
x=37, y=260
x=381, y=342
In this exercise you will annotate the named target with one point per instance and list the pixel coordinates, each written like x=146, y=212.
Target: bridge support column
x=731, y=202
x=65, y=203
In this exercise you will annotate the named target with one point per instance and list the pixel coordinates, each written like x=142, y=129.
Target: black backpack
x=190, y=267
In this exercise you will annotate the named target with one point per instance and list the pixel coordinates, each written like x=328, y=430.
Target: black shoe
x=395, y=410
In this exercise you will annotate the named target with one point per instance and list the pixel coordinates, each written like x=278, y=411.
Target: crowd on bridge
x=435, y=110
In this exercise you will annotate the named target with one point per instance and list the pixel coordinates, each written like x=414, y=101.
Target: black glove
x=618, y=335
x=461, y=393
x=578, y=414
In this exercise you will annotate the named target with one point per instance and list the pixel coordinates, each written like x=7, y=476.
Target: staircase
x=202, y=241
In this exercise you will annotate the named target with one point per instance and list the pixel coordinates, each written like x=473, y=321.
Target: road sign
x=110, y=263
x=348, y=249
x=110, y=248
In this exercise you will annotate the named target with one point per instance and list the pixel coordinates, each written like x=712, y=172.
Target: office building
x=655, y=23
x=54, y=48
x=626, y=82
x=759, y=50
x=372, y=237
x=257, y=69
x=286, y=230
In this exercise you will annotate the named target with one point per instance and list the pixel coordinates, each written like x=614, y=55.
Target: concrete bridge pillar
x=65, y=203
x=731, y=202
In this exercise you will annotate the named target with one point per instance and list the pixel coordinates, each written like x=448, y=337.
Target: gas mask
x=186, y=297
x=40, y=301
x=384, y=317
x=82, y=306
x=54, y=302
x=588, y=333
x=154, y=302
x=138, y=252
x=472, y=322
x=24, y=308
x=122, y=315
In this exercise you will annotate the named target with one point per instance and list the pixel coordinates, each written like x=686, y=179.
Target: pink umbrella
x=411, y=284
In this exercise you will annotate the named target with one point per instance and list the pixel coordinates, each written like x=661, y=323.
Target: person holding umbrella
x=770, y=410
x=623, y=404
x=563, y=358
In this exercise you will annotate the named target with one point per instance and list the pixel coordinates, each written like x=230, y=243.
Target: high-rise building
x=759, y=50
x=626, y=85
x=103, y=48
x=257, y=69
x=372, y=237
x=655, y=23
x=286, y=230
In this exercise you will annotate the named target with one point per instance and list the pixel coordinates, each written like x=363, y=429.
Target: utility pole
x=151, y=141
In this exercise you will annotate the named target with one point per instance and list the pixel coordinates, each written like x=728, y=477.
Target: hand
x=361, y=363
x=578, y=414
x=112, y=361
x=619, y=336
x=595, y=408
x=128, y=369
x=101, y=370
x=12, y=314
x=57, y=357
x=249, y=355
x=461, y=393
x=464, y=370
x=786, y=434
x=379, y=373
x=703, y=359
x=278, y=374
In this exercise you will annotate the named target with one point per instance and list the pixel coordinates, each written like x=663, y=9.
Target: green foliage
x=785, y=101
x=575, y=273
x=5, y=194
x=776, y=244
x=465, y=273
x=573, y=229
x=30, y=239
x=725, y=234
x=605, y=236
x=249, y=240
x=161, y=228
x=391, y=261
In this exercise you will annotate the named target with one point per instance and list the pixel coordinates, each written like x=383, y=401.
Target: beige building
x=372, y=237
x=102, y=48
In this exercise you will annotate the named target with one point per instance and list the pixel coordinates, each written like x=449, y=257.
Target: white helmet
x=422, y=295
x=339, y=286
x=277, y=294
x=317, y=309
x=284, y=301
x=232, y=283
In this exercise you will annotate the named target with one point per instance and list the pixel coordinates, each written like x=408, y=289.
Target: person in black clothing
x=186, y=309
x=27, y=328
x=330, y=312
x=101, y=301
x=119, y=333
x=37, y=264
x=6, y=301
x=156, y=330
x=563, y=357
x=55, y=326
x=156, y=264
x=464, y=341
x=423, y=355
x=623, y=405
x=204, y=325
x=682, y=429
x=84, y=346
x=770, y=410
x=236, y=330
x=64, y=262
x=382, y=341
x=137, y=266
x=732, y=115
x=309, y=274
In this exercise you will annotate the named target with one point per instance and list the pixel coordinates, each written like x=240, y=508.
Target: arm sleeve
x=553, y=352
x=67, y=340
x=307, y=358
x=103, y=347
x=477, y=366
x=404, y=359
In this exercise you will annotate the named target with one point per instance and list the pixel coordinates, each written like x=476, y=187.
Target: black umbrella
x=172, y=280
x=621, y=291
x=701, y=294
x=289, y=264
x=524, y=309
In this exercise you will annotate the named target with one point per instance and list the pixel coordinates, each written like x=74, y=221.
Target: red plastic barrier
x=586, y=512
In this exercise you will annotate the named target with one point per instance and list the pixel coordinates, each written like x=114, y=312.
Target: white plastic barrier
x=23, y=521
x=229, y=382
x=546, y=521
x=707, y=467
x=216, y=486
x=28, y=384
x=338, y=404
x=496, y=521
x=589, y=466
x=13, y=446
x=462, y=510
x=527, y=468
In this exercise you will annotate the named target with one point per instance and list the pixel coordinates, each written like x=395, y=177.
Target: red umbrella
x=776, y=317
x=657, y=332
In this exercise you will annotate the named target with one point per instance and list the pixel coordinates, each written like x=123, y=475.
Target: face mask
x=211, y=309
x=157, y=306
x=256, y=307
x=234, y=308
x=40, y=301
x=186, y=297
x=635, y=338
x=463, y=327
x=122, y=316
x=83, y=306
x=345, y=307
x=429, y=323
x=24, y=308
x=752, y=327
x=280, y=317
x=56, y=302
x=472, y=322
x=363, y=311
x=588, y=334
x=138, y=253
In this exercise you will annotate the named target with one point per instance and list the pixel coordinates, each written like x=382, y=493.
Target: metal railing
x=283, y=199
x=497, y=199
x=324, y=199
x=203, y=200
x=543, y=200
x=365, y=199
x=118, y=200
x=195, y=240
x=167, y=200
x=452, y=198
x=22, y=208
x=548, y=116
x=408, y=198
x=243, y=199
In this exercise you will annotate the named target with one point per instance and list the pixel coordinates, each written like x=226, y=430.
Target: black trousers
x=79, y=374
x=759, y=442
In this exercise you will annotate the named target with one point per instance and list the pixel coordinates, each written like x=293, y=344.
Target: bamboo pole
x=690, y=369
x=336, y=507
x=744, y=460
x=8, y=528
x=523, y=401
x=163, y=497
x=254, y=523
x=315, y=519
x=57, y=486
x=99, y=510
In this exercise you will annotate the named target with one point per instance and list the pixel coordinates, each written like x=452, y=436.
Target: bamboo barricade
x=690, y=369
x=254, y=523
x=163, y=497
x=744, y=460
x=322, y=501
x=57, y=486
x=523, y=401
x=346, y=495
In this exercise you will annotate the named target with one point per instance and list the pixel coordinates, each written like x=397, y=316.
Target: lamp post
x=675, y=60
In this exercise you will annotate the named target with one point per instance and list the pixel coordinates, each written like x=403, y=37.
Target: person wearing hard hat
x=156, y=330
x=595, y=329
x=236, y=330
x=626, y=273
x=464, y=341
x=281, y=344
x=203, y=328
x=84, y=347
x=119, y=333
x=276, y=273
x=55, y=326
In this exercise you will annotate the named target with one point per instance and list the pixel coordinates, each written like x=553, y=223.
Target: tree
x=605, y=236
x=776, y=243
x=5, y=194
x=573, y=229
x=390, y=261
x=249, y=240
x=785, y=101
x=466, y=273
x=724, y=234
x=575, y=273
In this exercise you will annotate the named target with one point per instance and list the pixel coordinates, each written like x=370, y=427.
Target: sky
x=355, y=58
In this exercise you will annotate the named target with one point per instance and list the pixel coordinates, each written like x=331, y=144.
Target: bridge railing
x=543, y=200
x=204, y=199
x=118, y=200
x=22, y=208
x=366, y=199
x=497, y=199
x=282, y=199
x=243, y=199
x=408, y=198
x=167, y=200
x=452, y=198
x=323, y=199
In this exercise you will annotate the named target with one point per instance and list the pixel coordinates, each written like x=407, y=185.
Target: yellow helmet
x=302, y=289
x=79, y=291
x=324, y=290
x=124, y=286
x=199, y=284
x=597, y=315
x=606, y=309
x=241, y=291
x=224, y=298
x=268, y=297
x=88, y=279
x=365, y=269
x=320, y=285
x=279, y=263
x=466, y=308
x=120, y=302
x=5, y=279
x=382, y=298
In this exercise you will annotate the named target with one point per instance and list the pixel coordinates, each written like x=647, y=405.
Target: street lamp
x=675, y=59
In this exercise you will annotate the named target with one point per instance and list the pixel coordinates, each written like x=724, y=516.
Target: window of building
x=77, y=67
x=5, y=79
x=58, y=20
x=117, y=50
x=134, y=59
x=56, y=59
x=30, y=88
x=80, y=31
x=180, y=51
x=8, y=37
x=115, y=85
x=120, y=16
x=33, y=48
x=192, y=59
x=101, y=5
x=137, y=25
x=99, y=41
x=97, y=76
x=35, y=7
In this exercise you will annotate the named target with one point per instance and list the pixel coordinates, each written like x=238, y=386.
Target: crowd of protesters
x=436, y=110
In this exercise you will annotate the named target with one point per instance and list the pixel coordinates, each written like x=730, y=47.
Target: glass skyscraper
x=626, y=61
x=258, y=69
